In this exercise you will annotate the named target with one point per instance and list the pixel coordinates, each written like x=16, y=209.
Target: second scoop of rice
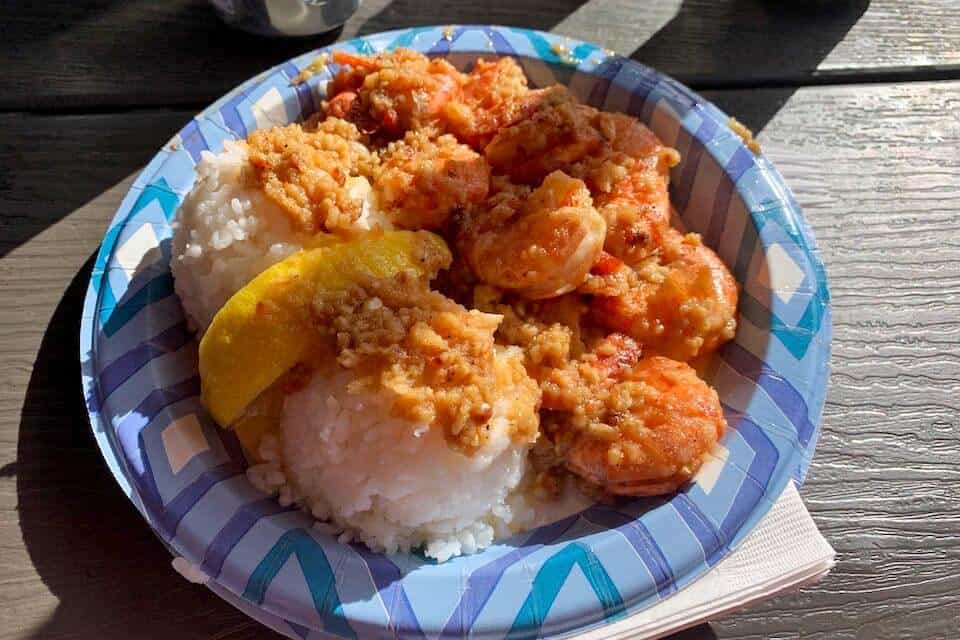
x=391, y=483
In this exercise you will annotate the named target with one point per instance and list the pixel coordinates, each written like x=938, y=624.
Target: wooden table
x=858, y=104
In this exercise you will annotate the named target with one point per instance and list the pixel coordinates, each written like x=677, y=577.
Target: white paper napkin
x=785, y=551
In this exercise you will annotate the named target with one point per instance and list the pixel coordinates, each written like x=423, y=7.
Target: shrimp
x=680, y=303
x=494, y=95
x=628, y=135
x=577, y=386
x=630, y=424
x=538, y=246
x=622, y=162
x=392, y=92
x=637, y=212
x=659, y=423
x=629, y=179
x=557, y=133
x=422, y=181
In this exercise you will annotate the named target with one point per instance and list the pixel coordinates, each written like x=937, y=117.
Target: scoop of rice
x=227, y=231
x=391, y=483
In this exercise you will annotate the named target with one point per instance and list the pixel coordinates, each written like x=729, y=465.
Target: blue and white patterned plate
x=186, y=476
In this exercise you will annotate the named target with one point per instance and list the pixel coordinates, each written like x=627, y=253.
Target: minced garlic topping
x=305, y=171
x=434, y=357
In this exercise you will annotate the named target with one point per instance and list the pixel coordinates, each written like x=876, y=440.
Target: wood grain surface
x=876, y=170
x=60, y=54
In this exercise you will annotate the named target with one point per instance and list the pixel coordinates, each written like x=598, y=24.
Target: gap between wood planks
x=941, y=73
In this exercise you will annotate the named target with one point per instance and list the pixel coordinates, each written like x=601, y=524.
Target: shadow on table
x=744, y=44
x=179, y=33
x=87, y=542
x=175, y=33
x=411, y=13
x=699, y=632
x=33, y=196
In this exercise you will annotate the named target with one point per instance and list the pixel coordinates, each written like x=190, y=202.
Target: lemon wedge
x=261, y=417
x=265, y=328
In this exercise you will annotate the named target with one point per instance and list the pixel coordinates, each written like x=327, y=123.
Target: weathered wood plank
x=728, y=43
x=77, y=561
x=876, y=170
x=52, y=166
x=108, y=53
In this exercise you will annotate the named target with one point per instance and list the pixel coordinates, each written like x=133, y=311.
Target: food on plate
x=448, y=300
x=538, y=243
x=423, y=180
x=264, y=330
x=646, y=427
x=680, y=302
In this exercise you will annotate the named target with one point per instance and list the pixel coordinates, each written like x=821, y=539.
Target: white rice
x=225, y=234
x=393, y=484
x=227, y=231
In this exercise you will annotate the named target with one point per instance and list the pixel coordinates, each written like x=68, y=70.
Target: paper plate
x=186, y=476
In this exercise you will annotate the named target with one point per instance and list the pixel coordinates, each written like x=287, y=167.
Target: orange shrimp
x=422, y=181
x=557, y=133
x=637, y=211
x=629, y=180
x=628, y=135
x=358, y=62
x=342, y=105
x=680, y=303
x=392, y=92
x=623, y=163
x=659, y=423
x=494, y=95
x=538, y=246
